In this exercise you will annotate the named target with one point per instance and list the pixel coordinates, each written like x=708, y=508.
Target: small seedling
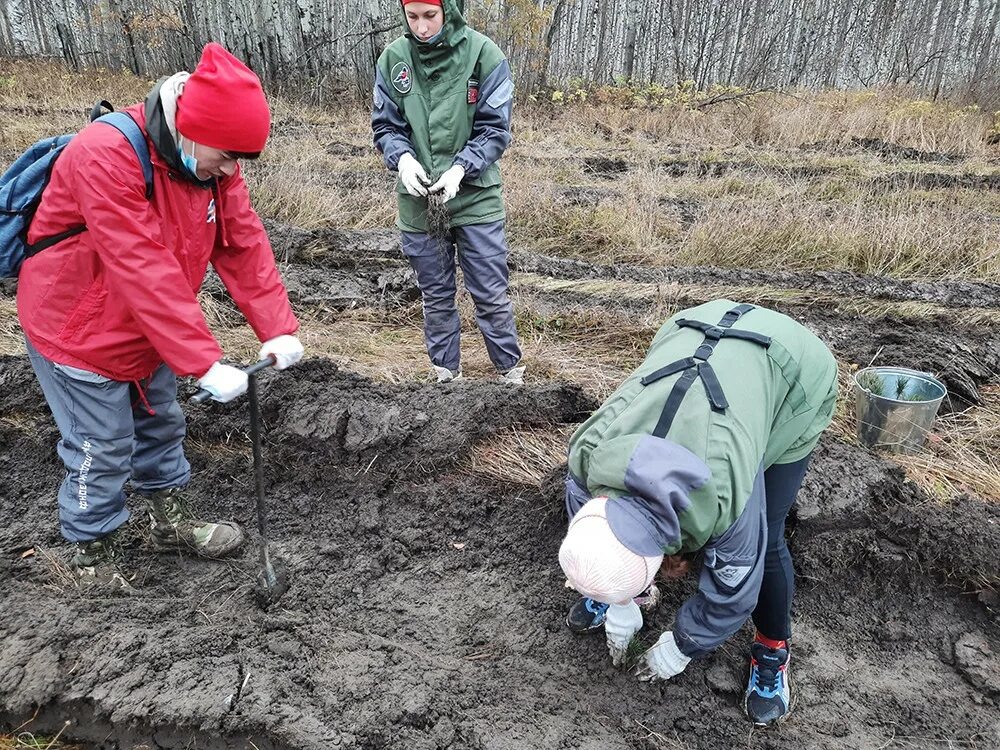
x=872, y=382
x=633, y=654
x=901, y=384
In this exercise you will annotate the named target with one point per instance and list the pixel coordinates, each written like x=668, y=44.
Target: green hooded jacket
x=447, y=101
x=780, y=398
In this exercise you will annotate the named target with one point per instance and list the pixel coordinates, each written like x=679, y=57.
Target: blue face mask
x=188, y=160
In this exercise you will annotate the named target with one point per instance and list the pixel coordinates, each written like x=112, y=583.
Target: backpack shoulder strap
x=128, y=128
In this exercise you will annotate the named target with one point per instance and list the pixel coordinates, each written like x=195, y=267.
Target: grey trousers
x=111, y=431
x=481, y=250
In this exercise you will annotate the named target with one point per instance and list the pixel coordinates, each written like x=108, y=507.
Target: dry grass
x=663, y=299
x=11, y=338
x=520, y=456
x=789, y=121
x=23, y=739
x=908, y=240
x=320, y=170
x=961, y=455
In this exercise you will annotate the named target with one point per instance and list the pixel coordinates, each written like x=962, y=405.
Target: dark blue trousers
x=773, y=614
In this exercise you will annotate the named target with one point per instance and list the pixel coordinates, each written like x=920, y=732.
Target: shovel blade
x=272, y=583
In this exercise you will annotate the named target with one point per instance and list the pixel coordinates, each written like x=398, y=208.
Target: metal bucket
x=896, y=407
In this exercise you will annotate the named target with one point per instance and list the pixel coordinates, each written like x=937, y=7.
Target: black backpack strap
x=672, y=368
x=98, y=109
x=30, y=250
x=697, y=367
x=677, y=394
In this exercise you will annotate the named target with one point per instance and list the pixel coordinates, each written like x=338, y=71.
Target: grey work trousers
x=481, y=251
x=111, y=431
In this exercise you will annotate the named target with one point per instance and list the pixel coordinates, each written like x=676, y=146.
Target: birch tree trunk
x=329, y=46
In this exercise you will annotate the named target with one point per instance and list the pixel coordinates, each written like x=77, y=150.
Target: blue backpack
x=21, y=188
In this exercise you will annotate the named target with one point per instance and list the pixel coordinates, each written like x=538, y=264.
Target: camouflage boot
x=99, y=564
x=174, y=528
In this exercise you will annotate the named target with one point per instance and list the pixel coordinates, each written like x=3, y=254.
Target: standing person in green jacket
x=441, y=119
x=702, y=449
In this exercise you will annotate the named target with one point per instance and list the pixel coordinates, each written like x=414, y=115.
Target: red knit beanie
x=222, y=105
x=428, y=2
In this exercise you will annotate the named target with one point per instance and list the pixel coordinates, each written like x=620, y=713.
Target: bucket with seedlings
x=896, y=407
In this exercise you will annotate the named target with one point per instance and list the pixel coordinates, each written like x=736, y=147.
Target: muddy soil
x=426, y=607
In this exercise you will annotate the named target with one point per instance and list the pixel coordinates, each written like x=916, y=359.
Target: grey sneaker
x=444, y=375
x=175, y=528
x=514, y=376
x=99, y=564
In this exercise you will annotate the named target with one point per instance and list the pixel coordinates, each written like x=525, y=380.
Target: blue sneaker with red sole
x=767, y=699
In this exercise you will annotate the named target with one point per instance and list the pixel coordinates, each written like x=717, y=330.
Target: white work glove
x=663, y=661
x=287, y=350
x=621, y=623
x=224, y=382
x=449, y=183
x=412, y=175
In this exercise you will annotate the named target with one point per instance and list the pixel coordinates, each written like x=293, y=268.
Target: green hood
x=451, y=35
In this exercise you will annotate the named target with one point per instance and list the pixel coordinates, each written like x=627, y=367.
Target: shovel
x=272, y=581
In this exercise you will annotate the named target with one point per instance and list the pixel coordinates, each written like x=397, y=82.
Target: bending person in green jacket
x=702, y=449
x=441, y=118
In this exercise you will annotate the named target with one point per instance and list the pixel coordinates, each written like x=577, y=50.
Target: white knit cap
x=599, y=566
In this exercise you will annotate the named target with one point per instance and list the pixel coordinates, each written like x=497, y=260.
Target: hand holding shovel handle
x=204, y=395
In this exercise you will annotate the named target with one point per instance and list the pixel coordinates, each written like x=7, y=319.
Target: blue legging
x=773, y=614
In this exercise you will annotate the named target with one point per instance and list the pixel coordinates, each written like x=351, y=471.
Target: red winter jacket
x=120, y=298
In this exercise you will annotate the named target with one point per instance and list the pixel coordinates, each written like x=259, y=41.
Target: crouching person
x=702, y=449
x=110, y=311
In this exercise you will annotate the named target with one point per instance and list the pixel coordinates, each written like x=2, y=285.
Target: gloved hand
x=663, y=661
x=224, y=382
x=412, y=175
x=287, y=350
x=449, y=183
x=621, y=624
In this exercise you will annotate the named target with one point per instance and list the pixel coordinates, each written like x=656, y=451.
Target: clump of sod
x=438, y=217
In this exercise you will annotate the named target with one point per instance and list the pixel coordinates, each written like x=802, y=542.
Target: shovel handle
x=204, y=395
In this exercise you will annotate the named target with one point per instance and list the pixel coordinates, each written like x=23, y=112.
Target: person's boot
x=586, y=615
x=444, y=375
x=99, y=564
x=174, y=527
x=767, y=699
x=589, y=614
x=513, y=376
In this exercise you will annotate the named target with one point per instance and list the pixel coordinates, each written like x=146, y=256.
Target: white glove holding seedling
x=412, y=175
x=224, y=382
x=663, y=661
x=621, y=623
x=449, y=183
x=286, y=350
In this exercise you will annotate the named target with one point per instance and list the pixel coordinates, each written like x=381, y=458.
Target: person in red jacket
x=111, y=315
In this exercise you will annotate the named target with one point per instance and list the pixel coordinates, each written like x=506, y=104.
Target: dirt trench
x=426, y=607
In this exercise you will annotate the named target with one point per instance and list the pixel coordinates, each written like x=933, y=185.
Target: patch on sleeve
x=401, y=80
x=502, y=95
